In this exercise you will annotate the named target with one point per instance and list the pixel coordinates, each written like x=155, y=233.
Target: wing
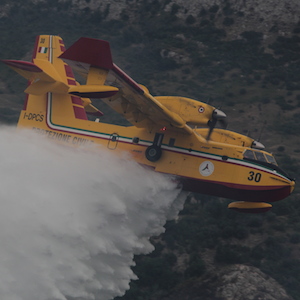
x=138, y=106
x=92, y=59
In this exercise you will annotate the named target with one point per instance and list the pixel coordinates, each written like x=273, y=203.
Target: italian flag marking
x=43, y=50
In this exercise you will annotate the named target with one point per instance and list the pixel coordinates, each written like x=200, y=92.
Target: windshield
x=271, y=159
x=260, y=156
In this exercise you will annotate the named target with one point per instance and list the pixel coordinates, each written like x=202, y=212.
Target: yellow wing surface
x=92, y=59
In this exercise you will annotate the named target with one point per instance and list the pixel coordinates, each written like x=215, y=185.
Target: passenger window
x=260, y=156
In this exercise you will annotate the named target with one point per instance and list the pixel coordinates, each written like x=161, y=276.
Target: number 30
x=254, y=176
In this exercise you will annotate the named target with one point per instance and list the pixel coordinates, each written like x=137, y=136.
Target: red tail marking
x=76, y=100
x=71, y=82
x=69, y=71
x=79, y=113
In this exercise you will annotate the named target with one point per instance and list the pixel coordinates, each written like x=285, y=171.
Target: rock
x=235, y=282
x=239, y=282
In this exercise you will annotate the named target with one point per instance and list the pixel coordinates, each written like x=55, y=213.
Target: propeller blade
x=211, y=125
x=217, y=116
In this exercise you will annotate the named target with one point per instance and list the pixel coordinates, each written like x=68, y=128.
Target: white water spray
x=71, y=220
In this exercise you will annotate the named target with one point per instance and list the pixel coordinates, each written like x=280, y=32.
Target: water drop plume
x=71, y=220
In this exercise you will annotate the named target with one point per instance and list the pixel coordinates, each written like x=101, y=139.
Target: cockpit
x=259, y=156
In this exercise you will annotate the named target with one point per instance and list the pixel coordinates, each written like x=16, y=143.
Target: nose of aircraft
x=292, y=185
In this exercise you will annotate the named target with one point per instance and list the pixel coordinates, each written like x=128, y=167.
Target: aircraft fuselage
x=213, y=168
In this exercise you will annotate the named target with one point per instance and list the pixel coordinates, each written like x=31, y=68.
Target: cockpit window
x=271, y=159
x=249, y=154
x=260, y=156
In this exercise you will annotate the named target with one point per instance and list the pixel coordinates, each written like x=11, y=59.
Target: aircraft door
x=113, y=141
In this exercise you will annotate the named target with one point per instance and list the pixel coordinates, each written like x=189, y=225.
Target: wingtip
x=22, y=65
x=91, y=51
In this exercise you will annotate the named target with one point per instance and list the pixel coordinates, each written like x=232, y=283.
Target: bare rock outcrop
x=235, y=282
x=241, y=282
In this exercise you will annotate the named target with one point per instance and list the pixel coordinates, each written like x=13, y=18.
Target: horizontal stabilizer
x=41, y=87
x=22, y=65
x=93, y=91
x=250, y=207
x=34, y=71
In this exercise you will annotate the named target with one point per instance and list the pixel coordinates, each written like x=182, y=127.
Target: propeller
x=217, y=116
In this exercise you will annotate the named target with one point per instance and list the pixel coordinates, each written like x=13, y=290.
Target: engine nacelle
x=193, y=112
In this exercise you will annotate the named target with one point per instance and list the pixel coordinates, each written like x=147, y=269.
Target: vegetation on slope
x=257, y=85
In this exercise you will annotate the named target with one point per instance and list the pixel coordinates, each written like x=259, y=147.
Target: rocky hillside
x=236, y=282
x=263, y=16
x=242, y=56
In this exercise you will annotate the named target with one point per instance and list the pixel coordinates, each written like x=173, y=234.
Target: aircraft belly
x=240, y=192
x=231, y=179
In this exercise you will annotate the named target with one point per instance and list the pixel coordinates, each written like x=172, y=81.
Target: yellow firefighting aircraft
x=173, y=135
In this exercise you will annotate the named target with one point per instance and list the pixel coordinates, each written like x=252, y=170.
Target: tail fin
x=48, y=74
x=51, y=80
x=44, y=73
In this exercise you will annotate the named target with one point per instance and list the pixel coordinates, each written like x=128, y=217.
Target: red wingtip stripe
x=128, y=79
x=90, y=51
x=23, y=65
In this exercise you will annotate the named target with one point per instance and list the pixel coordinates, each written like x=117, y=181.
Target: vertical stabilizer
x=49, y=81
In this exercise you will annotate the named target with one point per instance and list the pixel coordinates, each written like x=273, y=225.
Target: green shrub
x=232, y=254
x=214, y=9
x=196, y=267
x=228, y=21
x=190, y=20
x=295, y=238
